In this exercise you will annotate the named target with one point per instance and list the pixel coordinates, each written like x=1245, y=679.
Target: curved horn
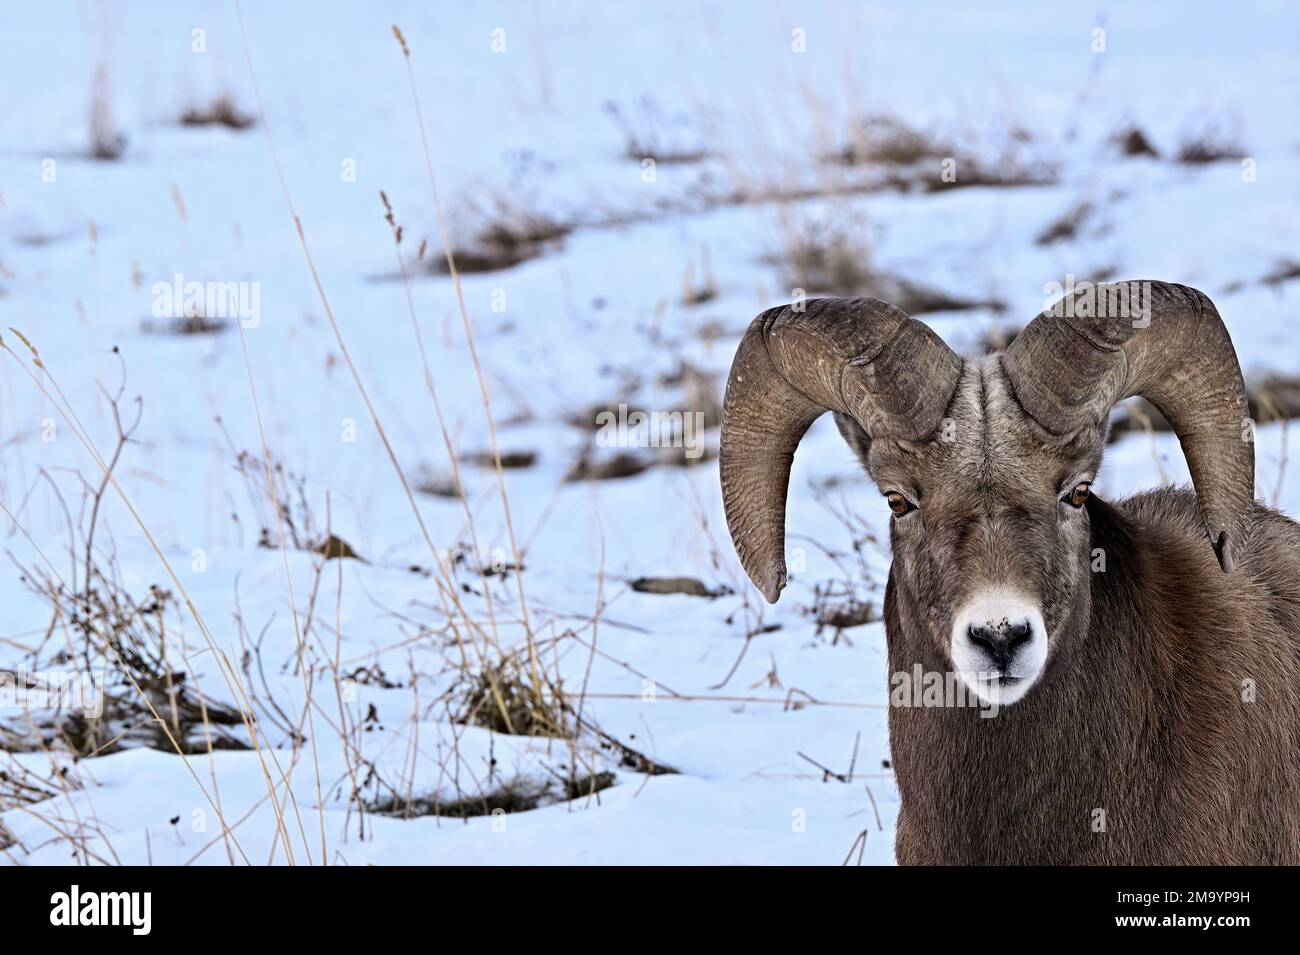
x=1168, y=344
x=857, y=356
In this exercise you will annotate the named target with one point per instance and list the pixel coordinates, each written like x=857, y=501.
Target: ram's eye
x=899, y=504
x=1079, y=496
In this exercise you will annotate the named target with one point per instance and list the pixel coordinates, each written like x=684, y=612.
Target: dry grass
x=1271, y=397
x=108, y=630
x=886, y=139
x=150, y=685
x=520, y=794
x=499, y=232
x=1286, y=270
x=911, y=159
x=830, y=259
x=186, y=326
x=427, y=480
x=281, y=503
x=697, y=289
x=501, y=697
x=510, y=460
x=1006, y=173
x=837, y=607
x=106, y=141
x=592, y=465
x=689, y=586
x=648, y=133
x=1274, y=397
x=500, y=679
x=221, y=111
x=1067, y=225
x=1131, y=141
x=701, y=391
x=994, y=339
x=1209, y=140
x=496, y=684
x=832, y=256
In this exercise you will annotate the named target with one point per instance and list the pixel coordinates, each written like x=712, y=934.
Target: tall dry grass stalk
x=478, y=368
x=449, y=592
x=227, y=670
x=303, y=669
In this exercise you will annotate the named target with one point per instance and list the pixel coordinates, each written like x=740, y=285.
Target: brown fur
x=1142, y=710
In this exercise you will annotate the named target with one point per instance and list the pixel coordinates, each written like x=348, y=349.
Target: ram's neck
x=979, y=785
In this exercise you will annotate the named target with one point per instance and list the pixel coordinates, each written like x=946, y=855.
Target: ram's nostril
x=1001, y=642
x=1018, y=634
x=985, y=637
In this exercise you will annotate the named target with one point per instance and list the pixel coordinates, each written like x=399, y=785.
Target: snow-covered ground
x=543, y=114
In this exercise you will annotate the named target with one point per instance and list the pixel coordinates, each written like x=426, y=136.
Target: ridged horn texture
x=857, y=356
x=1168, y=344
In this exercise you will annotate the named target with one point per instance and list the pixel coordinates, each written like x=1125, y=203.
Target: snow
x=597, y=319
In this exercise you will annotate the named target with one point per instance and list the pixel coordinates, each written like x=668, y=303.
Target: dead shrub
x=147, y=698
x=284, y=508
x=837, y=607
x=502, y=697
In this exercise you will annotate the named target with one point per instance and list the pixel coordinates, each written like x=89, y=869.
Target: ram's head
x=987, y=465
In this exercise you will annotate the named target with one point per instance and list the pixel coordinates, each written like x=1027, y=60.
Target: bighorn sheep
x=1147, y=697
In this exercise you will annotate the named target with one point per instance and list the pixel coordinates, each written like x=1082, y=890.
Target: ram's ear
x=854, y=435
